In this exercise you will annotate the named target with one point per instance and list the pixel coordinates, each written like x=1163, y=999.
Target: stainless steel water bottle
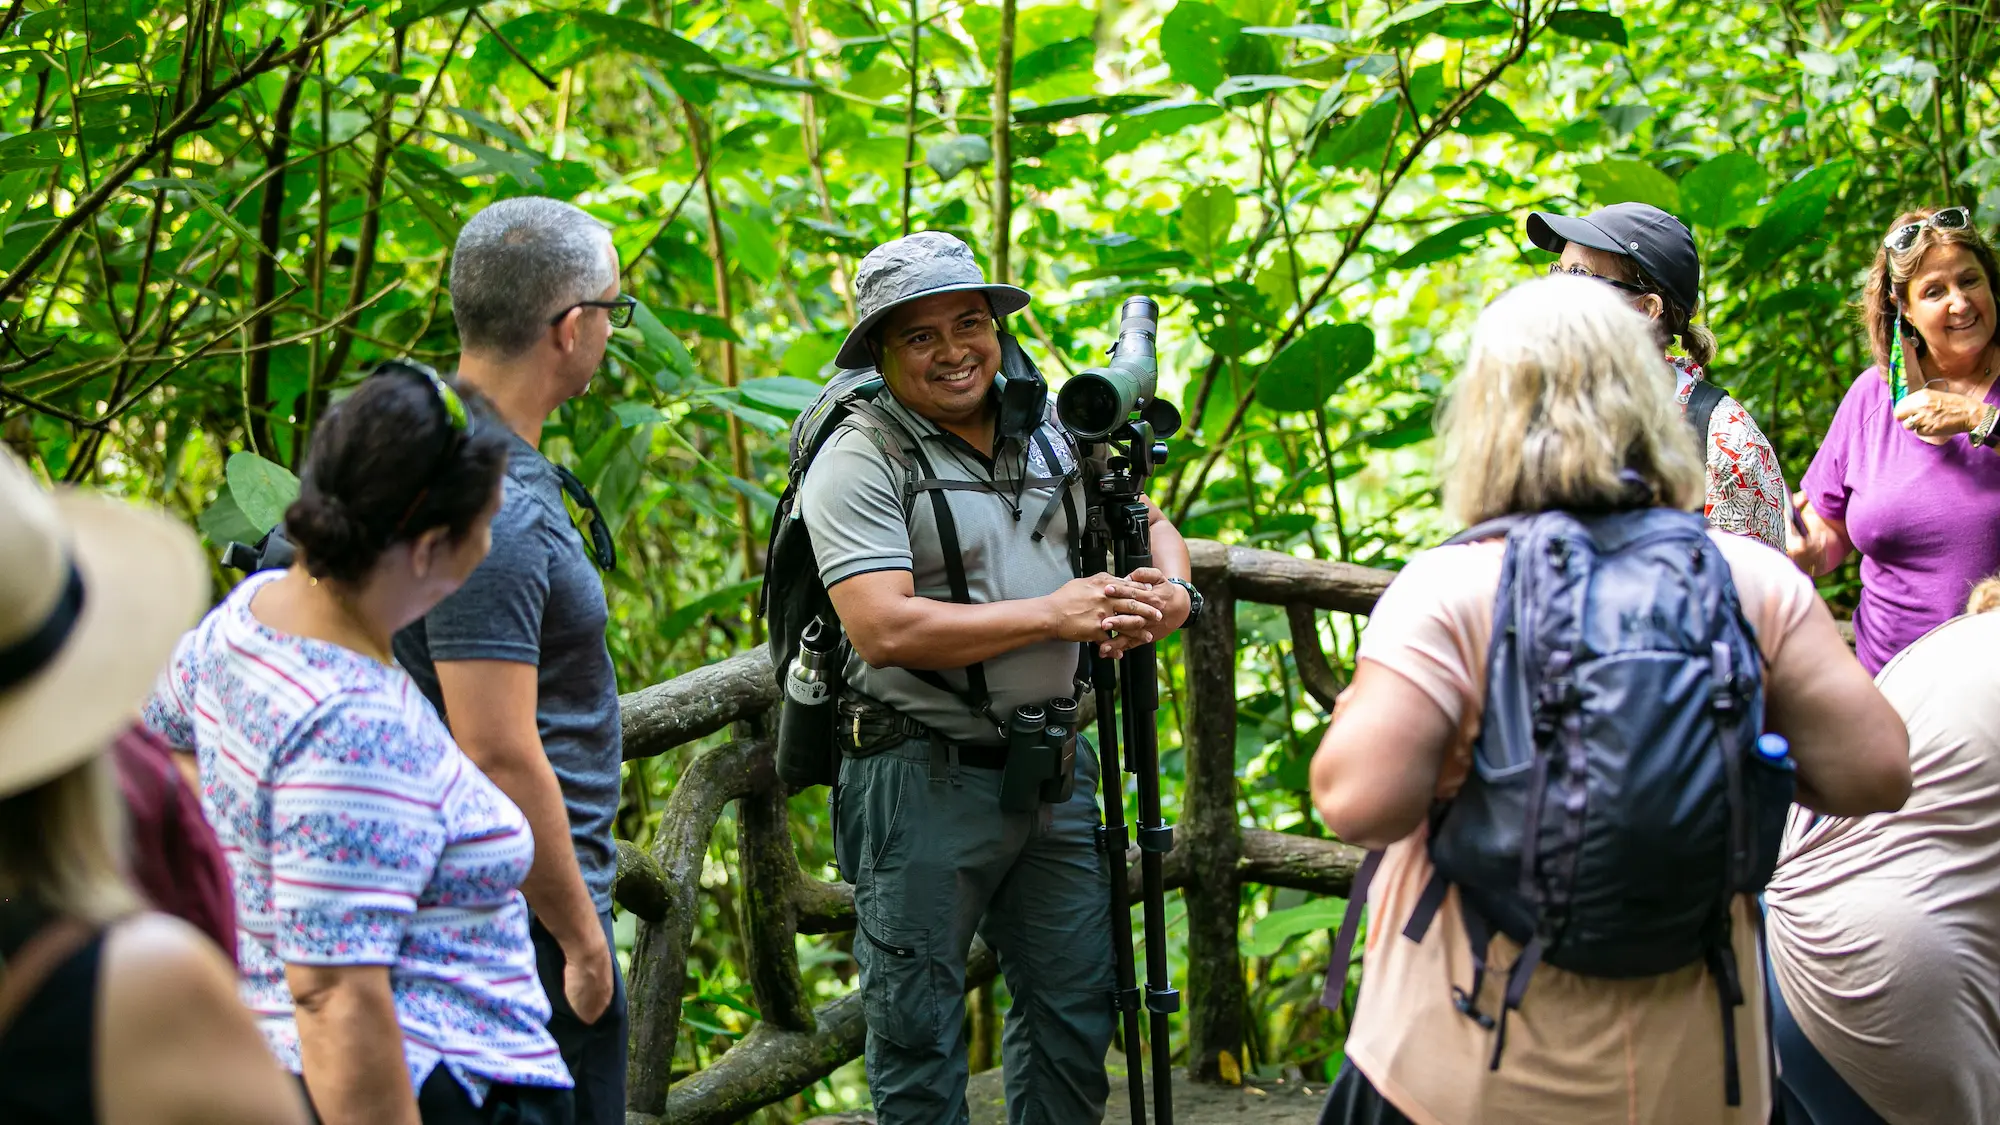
x=806, y=752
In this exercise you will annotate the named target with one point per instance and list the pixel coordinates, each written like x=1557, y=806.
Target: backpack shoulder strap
x=894, y=442
x=1495, y=528
x=1703, y=398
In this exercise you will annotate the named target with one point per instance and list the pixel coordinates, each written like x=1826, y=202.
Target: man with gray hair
x=515, y=661
x=945, y=529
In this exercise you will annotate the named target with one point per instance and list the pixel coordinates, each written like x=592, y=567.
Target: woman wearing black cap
x=1649, y=256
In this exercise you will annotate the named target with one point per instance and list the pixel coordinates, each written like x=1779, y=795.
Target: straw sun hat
x=93, y=595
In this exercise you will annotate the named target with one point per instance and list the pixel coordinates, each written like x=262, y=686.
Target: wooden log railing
x=796, y=1044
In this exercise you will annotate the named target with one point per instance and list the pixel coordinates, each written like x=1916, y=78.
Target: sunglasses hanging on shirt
x=590, y=524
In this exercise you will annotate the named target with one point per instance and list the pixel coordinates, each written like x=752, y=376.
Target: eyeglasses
x=619, y=311
x=596, y=533
x=1557, y=269
x=1905, y=236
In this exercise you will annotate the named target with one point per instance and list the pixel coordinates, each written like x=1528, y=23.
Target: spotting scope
x=1099, y=400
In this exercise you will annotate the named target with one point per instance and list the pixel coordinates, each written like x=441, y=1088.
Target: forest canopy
x=217, y=215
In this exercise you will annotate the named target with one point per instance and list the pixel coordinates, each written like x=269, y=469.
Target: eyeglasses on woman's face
x=1557, y=269
x=1905, y=236
x=618, y=310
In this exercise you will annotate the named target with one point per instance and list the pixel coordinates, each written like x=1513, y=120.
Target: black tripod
x=1117, y=524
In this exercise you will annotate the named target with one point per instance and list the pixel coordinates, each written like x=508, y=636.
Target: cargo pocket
x=898, y=987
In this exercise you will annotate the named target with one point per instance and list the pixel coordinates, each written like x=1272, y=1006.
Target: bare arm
x=491, y=706
x=1852, y=752
x=172, y=1026
x=351, y=1045
x=891, y=627
x=1824, y=545
x=1377, y=768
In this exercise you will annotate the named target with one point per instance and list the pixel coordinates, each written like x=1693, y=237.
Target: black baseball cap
x=1656, y=240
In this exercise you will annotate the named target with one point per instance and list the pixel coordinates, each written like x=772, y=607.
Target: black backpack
x=1617, y=805
x=792, y=595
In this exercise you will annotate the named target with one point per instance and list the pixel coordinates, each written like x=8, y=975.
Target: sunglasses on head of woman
x=1905, y=236
x=1557, y=269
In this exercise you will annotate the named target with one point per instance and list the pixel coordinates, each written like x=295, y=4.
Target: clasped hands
x=1120, y=614
x=1935, y=416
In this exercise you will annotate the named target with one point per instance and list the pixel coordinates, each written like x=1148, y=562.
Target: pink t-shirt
x=1925, y=518
x=1646, y=1051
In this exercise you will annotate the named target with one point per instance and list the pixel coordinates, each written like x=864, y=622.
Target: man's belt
x=865, y=727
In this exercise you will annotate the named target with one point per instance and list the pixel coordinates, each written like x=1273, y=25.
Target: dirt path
x=1254, y=1103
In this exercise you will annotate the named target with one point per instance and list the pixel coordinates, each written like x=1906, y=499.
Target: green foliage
x=200, y=258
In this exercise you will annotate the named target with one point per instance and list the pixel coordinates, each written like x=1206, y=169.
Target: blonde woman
x=108, y=1014
x=1560, y=407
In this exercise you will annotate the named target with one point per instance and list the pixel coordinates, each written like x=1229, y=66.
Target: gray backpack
x=1617, y=804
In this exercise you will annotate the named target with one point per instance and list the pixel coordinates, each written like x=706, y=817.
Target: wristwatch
x=1195, y=601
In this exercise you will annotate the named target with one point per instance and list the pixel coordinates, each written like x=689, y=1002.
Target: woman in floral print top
x=1650, y=256
x=381, y=931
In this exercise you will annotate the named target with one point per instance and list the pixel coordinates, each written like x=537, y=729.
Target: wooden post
x=1213, y=837
x=1003, y=146
x=659, y=959
x=770, y=922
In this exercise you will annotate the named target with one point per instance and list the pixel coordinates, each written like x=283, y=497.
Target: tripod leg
x=1141, y=698
x=1112, y=838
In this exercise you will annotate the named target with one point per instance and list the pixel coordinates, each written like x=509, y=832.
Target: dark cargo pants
x=933, y=861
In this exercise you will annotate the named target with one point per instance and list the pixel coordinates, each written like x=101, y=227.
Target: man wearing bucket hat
x=1649, y=256
x=945, y=519
x=93, y=595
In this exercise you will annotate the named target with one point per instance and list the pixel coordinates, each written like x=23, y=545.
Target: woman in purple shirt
x=1909, y=474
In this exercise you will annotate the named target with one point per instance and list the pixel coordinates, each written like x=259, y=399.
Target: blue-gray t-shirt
x=537, y=600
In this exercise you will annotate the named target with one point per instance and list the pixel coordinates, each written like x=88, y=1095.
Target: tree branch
x=188, y=120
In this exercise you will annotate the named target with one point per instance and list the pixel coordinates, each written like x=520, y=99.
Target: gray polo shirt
x=536, y=599
x=852, y=502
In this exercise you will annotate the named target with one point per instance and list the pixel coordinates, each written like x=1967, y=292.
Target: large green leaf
x=1486, y=115
x=1313, y=367
x=223, y=522
x=782, y=392
x=1622, y=180
x=951, y=155
x=1269, y=934
x=1723, y=192
x=1135, y=127
x=1798, y=212
x=714, y=601
x=1450, y=242
x=1207, y=213
x=1602, y=27
x=1252, y=87
x=1063, y=57
x=1359, y=142
x=262, y=489
x=1064, y=108
x=1195, y=40
x=1452, y=19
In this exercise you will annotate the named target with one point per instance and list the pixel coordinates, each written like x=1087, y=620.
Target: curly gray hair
x=519, y=262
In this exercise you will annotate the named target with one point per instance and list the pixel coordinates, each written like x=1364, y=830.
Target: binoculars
x=1041, y=756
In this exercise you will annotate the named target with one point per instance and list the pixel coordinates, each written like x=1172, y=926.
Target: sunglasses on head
x=1905, y=236
x=457, y=418
x=596, y=533
x=1557, y=269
